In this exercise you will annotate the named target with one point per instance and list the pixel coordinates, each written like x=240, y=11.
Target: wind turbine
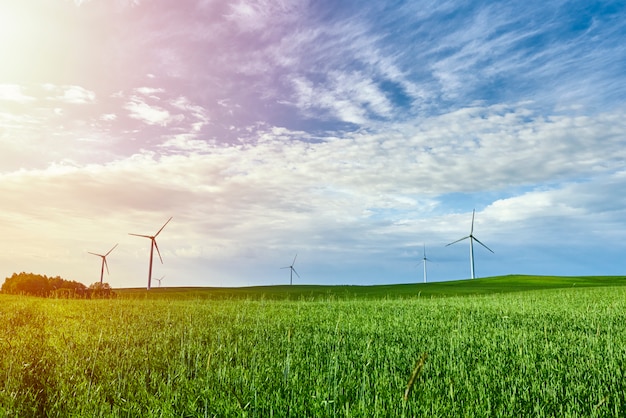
x=424, y=260
x=104, y=262
x=153, y=245
x=293, y=270
x=472, y=238
x=159, y=280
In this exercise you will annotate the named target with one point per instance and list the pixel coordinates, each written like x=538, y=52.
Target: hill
x=490, y=285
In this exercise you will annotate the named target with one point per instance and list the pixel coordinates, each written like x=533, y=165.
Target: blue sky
x=349, y=133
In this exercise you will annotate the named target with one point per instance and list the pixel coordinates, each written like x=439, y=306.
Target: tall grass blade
x=416, y=372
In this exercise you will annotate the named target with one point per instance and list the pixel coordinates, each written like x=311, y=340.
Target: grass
x=187, y=352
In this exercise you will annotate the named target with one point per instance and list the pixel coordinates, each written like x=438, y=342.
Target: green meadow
x=504, y=346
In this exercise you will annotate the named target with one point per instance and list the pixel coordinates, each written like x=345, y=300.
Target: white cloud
x=149, y=91
x=72, y=94
x=108, y=117
x=187, y=143
x=14, y=93
x=152, y=115
x=531, y=205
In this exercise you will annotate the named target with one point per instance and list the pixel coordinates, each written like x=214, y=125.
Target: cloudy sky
x=351, y=133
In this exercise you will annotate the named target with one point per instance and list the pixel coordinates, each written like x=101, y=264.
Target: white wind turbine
x=472, y=238
x=153, y=245
x=159, y=280
x=292, y=270
x=424, y=260
x=104, y=262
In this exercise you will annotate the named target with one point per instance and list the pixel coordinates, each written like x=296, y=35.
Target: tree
x=41, y=285
x=99, y=290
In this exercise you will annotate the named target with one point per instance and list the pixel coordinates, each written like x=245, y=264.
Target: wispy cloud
x=257, y=15
x=77, y=95
x=349, y=97
x=150, y=114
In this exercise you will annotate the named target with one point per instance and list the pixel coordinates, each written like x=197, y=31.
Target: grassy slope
x=500, y=284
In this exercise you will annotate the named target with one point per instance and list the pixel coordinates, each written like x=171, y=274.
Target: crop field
x=551, y=352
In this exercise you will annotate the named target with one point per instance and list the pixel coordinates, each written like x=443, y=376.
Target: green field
x=501, y=284
x=507, y=346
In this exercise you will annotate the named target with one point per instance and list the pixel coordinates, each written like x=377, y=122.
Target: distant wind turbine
x=292, y=270
x=153, y=245
x=104, y=262
x=472, y=238
x=159, y=280
x=424, y=260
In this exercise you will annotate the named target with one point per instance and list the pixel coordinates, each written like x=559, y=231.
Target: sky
x=353, y=134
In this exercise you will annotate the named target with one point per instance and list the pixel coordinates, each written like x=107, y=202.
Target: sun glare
x=21, y=30
x=14, y=25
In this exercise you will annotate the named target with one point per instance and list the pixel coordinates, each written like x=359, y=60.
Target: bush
x=100, y=291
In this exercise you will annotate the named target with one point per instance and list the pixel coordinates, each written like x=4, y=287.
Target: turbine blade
x=478, y=241
x=157, y=248
x=104, y=260
x=294, y=270
x=294, y=259
x=139, y=235
x=111, y=250
x=288, y=267
x=168, y=221
x=99, y=255
x=472, y=230
x=458, y=240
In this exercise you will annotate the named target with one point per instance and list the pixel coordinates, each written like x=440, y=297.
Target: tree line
x=44, y=286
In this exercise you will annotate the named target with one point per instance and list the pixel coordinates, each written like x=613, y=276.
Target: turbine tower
x=472, y=238
x=424, y=260
x=153, y=245
x=292, y=270
x=104, y=262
